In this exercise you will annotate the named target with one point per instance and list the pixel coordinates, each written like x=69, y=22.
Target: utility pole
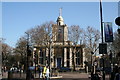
x=102, y=36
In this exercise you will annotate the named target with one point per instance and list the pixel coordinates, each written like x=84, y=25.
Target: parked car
x=14, y=69
x=32, y=68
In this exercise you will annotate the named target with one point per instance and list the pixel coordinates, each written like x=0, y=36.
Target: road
x=71, y=76
x=62, y=76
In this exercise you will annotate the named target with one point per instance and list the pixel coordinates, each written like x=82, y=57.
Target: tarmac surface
x=62, y=76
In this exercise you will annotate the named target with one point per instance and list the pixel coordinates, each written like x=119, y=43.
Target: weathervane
x=60, y=13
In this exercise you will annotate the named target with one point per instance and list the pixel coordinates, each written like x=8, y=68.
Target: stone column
x=70, y=50
x=52, y=57
x=47, y=52
x=38, y=56
x=65, y=57
x=83, y=57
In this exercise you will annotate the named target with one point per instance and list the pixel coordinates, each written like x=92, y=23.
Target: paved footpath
x=64, y=76
x=73, y=76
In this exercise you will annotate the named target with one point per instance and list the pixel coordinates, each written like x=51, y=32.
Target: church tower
x=60, y=30
x=60, y=37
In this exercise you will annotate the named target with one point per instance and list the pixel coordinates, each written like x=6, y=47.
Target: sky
x=18, y=17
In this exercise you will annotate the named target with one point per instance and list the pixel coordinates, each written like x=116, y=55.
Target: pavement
x=74, y=75
x=62, y=76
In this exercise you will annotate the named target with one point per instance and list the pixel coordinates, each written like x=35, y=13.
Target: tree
x=6, y=52
x=116, y=46
x=21, y=51
x=41, y=34
x=75, y=35
x=92, y=37
x=21, y=46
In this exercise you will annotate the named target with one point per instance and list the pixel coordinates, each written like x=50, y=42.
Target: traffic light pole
x=27, y=62
x=49, y=58
x=102, y=36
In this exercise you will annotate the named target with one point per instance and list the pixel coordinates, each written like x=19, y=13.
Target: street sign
x=102, y=48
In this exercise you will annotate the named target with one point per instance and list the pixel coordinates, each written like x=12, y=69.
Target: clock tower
x=60, y=38
x=60, y=30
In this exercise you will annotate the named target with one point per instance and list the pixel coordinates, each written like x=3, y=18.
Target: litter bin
x=10, y=75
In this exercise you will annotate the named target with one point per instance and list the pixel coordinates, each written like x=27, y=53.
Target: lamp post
x=102, y=36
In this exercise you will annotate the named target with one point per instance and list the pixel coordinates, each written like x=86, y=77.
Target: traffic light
x=117, y=21
x=41, y=57
x=29, y=52
x=35, y=56
x=118, y=31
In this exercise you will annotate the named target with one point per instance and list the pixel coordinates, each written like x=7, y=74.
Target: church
x=60, y=52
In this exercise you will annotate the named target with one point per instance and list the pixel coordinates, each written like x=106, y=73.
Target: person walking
x=117, y=75
x=44, y=71
x=47, y=73
x=40, y=72
x=32, y=76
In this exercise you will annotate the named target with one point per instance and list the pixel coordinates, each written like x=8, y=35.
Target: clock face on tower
x=60, y=36
x=59, y=30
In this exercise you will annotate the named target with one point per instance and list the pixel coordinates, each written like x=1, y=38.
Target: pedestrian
x=115, y=70
x=40, y=72
x=32, y=76
x=47, y=73
x=117, y=75
x=44, y=72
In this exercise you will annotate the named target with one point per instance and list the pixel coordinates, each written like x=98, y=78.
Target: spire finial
x=60, y=13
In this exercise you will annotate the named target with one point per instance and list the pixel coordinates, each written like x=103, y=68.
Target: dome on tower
x=60, y=19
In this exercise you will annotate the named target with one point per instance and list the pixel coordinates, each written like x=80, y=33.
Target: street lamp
x=102, y=36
